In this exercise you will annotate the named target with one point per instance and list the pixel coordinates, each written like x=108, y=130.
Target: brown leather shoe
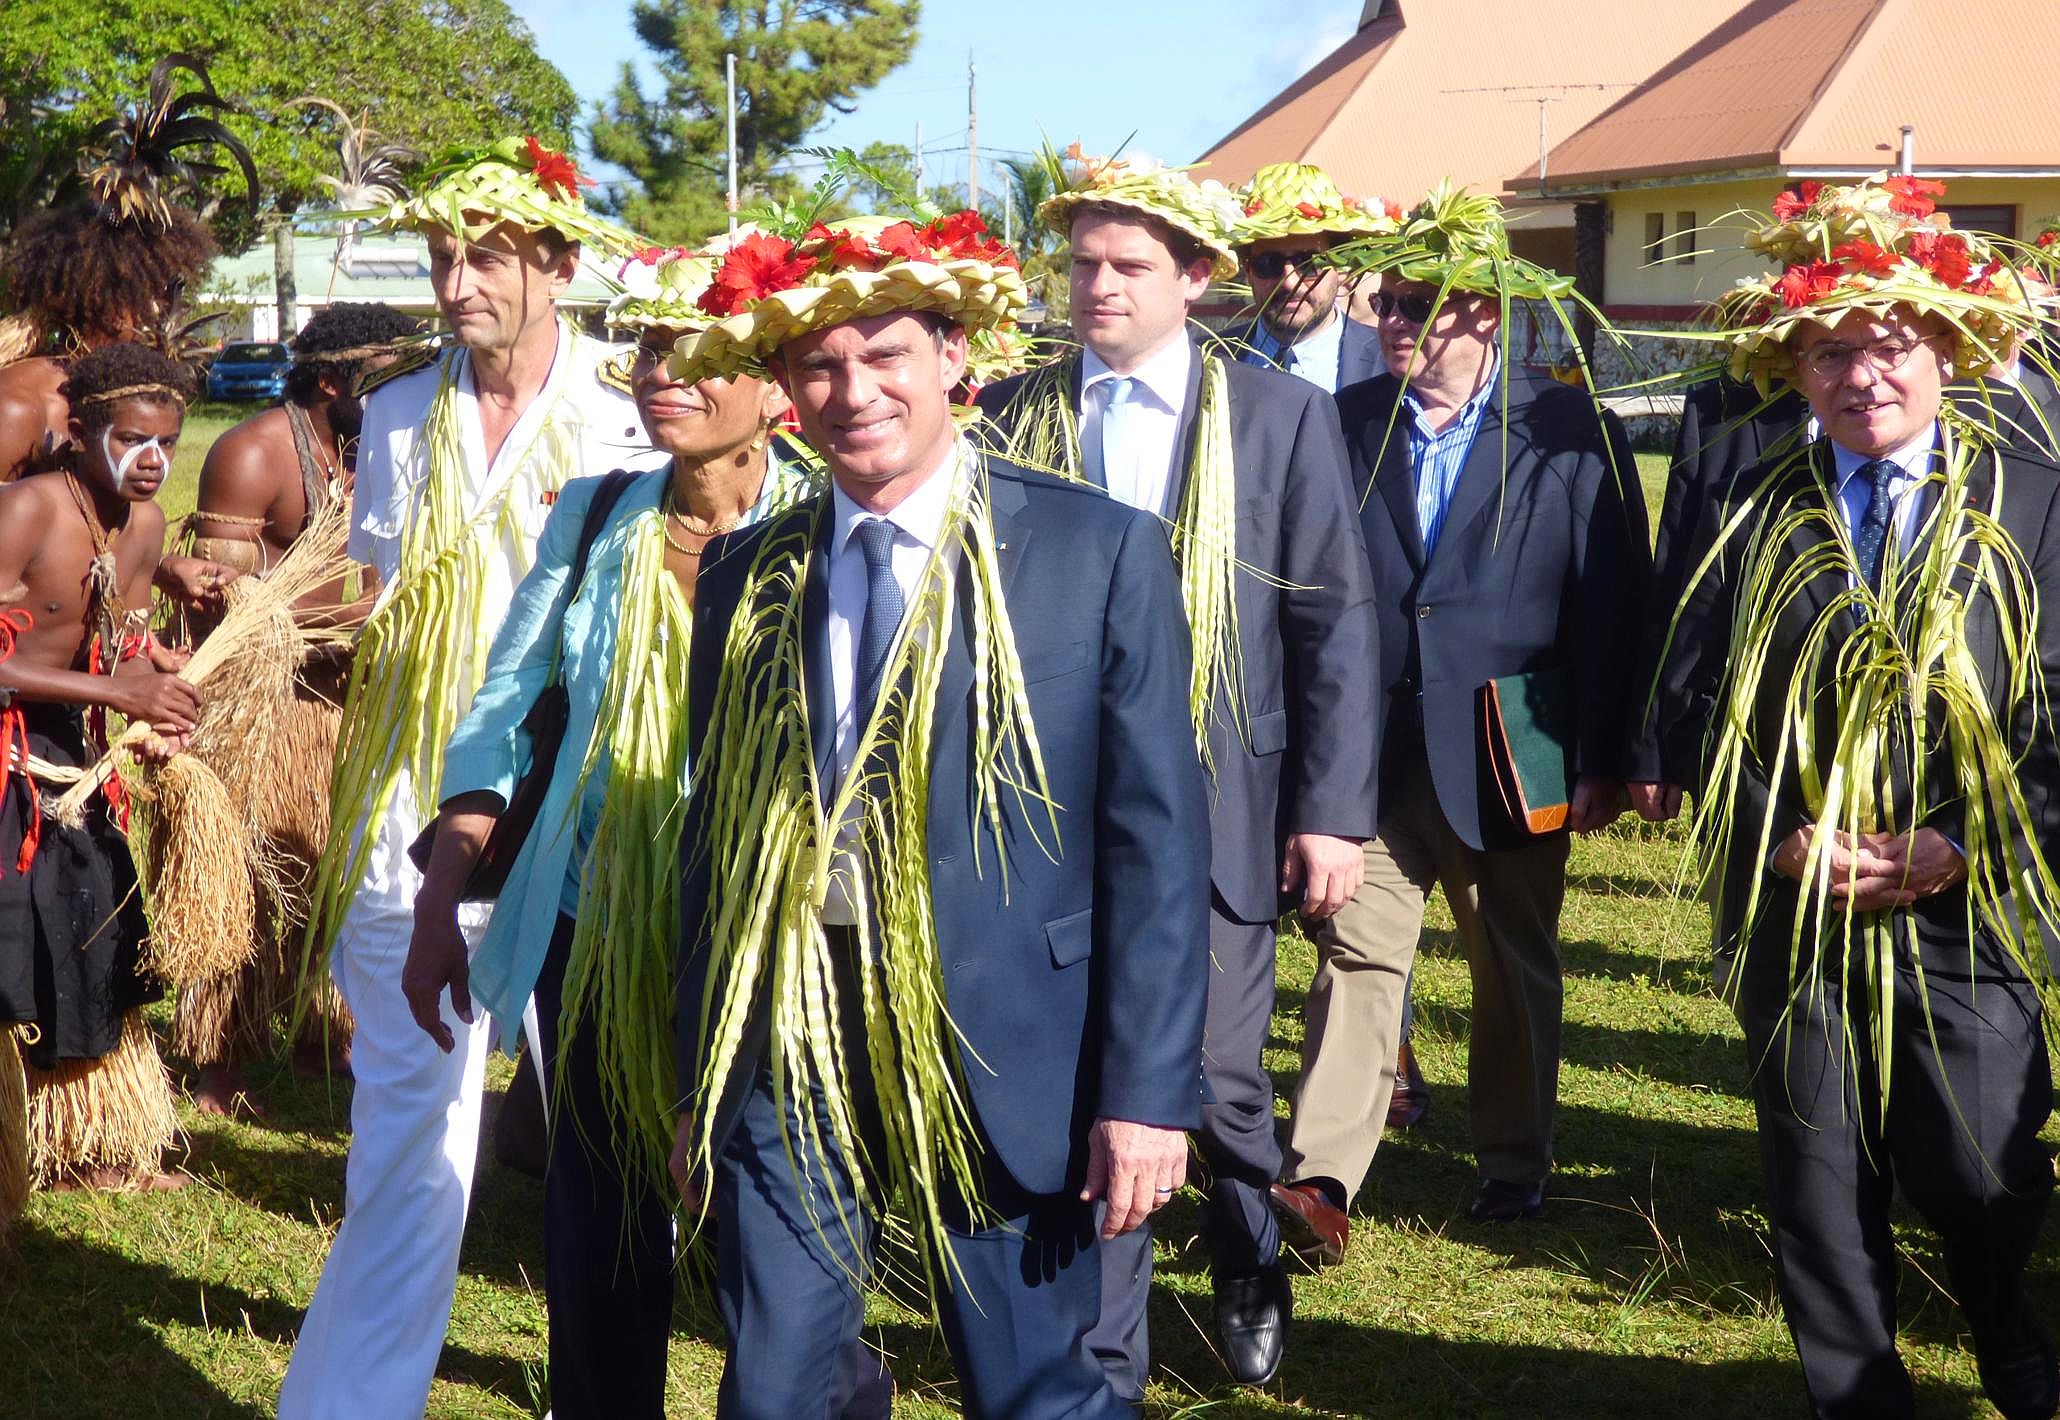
x=1311, y=1227
x=1410, y=1105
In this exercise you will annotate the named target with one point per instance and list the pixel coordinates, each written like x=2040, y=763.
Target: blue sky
x=1180, y=73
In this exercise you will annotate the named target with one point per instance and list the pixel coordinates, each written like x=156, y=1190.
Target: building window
x=1685, y=237
x=1655, y=237
x=1996, y=221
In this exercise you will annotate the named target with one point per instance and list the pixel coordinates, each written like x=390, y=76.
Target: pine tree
x=798, y=61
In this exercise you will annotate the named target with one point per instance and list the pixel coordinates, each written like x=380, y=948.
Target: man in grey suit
x=1508, y=539
x=1214, y=445
x=1293, y=213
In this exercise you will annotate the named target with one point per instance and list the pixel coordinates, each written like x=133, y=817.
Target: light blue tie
x=1119, y=432
x=1876, y=520
x=883, y=607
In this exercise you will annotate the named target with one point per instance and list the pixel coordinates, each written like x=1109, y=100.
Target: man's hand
x=1655, y=803
x=170, y=706
x=1136, y=1167
x=194, y=582
x=1324, y=869
x=437, y=959
x=1595, y=803
x=680, y=1165
x=1873, y=871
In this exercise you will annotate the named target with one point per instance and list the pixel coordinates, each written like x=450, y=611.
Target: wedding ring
x=1165, y=1190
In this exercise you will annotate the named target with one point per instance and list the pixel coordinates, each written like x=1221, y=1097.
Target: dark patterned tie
x=883, y=608
x=1876, y=522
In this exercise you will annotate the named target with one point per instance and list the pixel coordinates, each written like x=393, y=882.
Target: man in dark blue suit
x=1176, y=429
x=1073, y=979
x=1507, y=535
x=1293, y=213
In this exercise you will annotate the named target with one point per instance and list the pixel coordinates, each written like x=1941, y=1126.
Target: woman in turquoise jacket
x=587, y=918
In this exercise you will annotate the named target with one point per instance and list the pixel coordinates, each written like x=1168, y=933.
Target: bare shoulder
x=247, y=464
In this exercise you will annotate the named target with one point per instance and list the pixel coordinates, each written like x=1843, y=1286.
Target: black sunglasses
x=1416, y=306
x=1272, y=265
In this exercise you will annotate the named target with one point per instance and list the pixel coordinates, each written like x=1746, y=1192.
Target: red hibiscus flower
x=842, y=249
x=1863, y=255
x=555, y=173
x=902, y=241
x=1252, y=207
x=1950, y=263
x=1913, y=196
x=2047, y=238
x=1309, y=210
x=755, y=267
x=1393, y=209
x=1984, y=282
x=1802, y=285
x=960, y=234
x=1791, y=202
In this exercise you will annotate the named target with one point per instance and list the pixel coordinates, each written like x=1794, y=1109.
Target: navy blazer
x=1079, y=984
x=1359, y=356
x=1307, y=632
x=1541, y=562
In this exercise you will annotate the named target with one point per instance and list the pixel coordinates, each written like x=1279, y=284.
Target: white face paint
x=127, y=461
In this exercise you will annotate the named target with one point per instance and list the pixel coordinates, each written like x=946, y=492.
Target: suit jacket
x=1726, y=428
x=1541, y=562
x=1359, y=356
x=1079, y=984
x=1306, y=630
x=2029, y=509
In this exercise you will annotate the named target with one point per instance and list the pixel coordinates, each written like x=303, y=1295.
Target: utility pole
x=919, y=158
x=730, y=201
x=1008, y=213
x=972, y=134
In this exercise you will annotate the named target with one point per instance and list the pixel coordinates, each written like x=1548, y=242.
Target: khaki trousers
x=1507, y=905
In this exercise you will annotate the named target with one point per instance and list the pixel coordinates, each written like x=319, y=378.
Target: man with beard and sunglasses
x=1507, y=537
x=1293, y=213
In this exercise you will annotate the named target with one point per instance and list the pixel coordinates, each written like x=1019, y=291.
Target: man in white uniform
x=462, y=454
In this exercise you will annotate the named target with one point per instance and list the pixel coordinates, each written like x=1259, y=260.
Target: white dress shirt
x=918, y=523
x=1160, y=398
x=1914, y=463
x=1315, y=357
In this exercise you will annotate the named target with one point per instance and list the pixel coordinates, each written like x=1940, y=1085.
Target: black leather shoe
x=1498, y=1200
x=1252, y=1311
x=2022, y=1380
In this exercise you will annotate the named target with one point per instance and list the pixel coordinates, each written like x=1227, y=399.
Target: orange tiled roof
x=1828, y=84
x=1438, y=88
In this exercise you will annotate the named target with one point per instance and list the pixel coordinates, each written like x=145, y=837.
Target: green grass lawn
x=1644, y=1291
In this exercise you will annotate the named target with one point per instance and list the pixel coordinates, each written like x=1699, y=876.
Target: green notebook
x=1528, y=723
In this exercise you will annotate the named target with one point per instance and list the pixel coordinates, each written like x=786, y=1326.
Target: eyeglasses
x=1415, y=306
x=1272, y=265
x=1831, y=360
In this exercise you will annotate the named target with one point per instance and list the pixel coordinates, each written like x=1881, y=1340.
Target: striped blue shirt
x=1438, y=455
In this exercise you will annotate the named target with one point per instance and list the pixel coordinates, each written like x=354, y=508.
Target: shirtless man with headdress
x=77, y=550
x=108, y=267
x=262, y=483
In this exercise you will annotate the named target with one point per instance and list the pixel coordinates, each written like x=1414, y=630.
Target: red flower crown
x=764, y=262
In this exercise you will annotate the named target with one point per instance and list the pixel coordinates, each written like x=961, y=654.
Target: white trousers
x=369, y=1344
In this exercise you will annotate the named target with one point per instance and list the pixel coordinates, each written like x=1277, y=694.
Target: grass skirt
x=115, y=1112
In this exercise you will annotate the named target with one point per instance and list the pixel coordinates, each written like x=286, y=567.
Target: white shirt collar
x=1164, y=372
x=919, y=516
x=1913, y=458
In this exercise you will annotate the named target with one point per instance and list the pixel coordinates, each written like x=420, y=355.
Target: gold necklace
x=675, y=544
x=693, y=527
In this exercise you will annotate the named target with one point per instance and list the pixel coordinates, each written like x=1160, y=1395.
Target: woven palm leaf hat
x=1206, y=211
x=661, y=289
x=1457, y=241
x=775, y=284
x=1301, y=200
x=1872, y=246
x=517, y=181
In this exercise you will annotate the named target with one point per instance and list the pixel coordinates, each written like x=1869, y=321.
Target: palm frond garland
x=772, y=844
x=422, y=653
x=1046, y=437
x=131, y=162
x=1883, y=682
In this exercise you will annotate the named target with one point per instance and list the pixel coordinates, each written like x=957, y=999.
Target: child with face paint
x=78, y=547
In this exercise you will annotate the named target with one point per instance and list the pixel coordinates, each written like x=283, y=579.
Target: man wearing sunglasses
x=1293, y=214
x=1507, y=539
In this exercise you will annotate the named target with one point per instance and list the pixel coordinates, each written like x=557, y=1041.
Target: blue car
x=250, y=370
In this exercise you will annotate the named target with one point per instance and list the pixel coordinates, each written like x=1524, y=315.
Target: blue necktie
x=1119, y=416
x=1875, y=522
x=883, y=607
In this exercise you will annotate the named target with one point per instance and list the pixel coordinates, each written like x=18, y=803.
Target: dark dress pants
x=795, y=1250
x=1960, y=1137
x=1239, y=1148
x=608, y=1241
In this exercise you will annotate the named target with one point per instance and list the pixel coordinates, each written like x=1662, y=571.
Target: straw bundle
x=245, y=667
x=115, y=1112
x=14, y=1131
x=197, y=869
